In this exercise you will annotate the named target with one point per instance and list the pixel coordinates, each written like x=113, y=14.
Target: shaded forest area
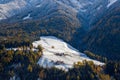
x=22, y=64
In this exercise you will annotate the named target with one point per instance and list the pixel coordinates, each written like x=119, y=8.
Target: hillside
x=57, y=53
x=106, y=30
x=104, y=37
x=59, y=39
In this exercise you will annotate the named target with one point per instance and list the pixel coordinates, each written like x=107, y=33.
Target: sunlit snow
x=57, y=53
x=111, y=2
x=27, y=17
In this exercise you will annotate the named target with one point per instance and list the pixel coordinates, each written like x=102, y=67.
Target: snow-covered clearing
x=59, y=54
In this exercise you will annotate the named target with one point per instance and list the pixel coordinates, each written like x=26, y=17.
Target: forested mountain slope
x=104, y=37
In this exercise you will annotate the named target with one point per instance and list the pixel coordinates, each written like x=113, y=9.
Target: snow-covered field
x=57, y=53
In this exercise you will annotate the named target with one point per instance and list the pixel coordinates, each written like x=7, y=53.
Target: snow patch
x=27, y=17
x=39, y=5
x=59, y=54
x=111, y=2
x=12, y=78
x=84, y=10
x=99, y=7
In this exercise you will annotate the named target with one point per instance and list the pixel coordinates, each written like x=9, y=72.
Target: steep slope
x=10, y=8
x=104, y=37
x=88, y=9
x=57, y=53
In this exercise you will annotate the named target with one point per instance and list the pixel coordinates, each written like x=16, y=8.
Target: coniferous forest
x=91, y=27
x=23, y=64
